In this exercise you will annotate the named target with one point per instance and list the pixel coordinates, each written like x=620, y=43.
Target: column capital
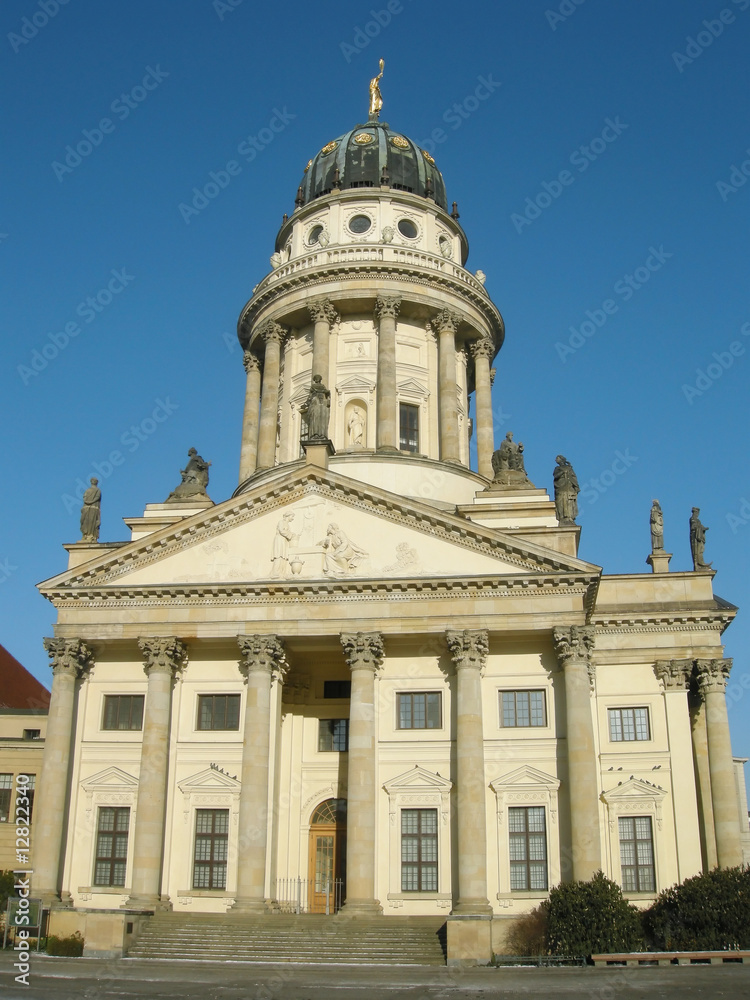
x=387, y=305
x=69, y=657
x=482, y=348
x=712, y=675
x=363, y=650
x=250, y=362
x=163, y=655
x=674, y=674
x=262, y=653
x=446, y=319
x=575, y=644
x=272, y=332
x=323, y=309
x=468, y=648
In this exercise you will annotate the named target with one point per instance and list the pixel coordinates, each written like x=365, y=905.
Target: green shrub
x=708, y=912
x=71, y=946
x=585, y=918
x=528, y=935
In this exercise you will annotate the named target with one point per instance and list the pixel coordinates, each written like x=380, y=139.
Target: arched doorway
x=327, y=856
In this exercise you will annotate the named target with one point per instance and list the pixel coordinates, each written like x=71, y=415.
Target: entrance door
x=327, y=857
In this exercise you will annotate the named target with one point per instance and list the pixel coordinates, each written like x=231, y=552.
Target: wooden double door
x=327, y=857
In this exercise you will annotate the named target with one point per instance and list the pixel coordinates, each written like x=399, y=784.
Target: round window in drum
x=314, y=235
x=360, y=224
x=407, y=228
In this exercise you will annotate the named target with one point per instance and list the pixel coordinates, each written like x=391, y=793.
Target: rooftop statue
x=91, y=512
x=697, y=541
x=376, y=98
x=194, y=480
x=316, y=410
x=566, y=491
x=507, y=464
x=657, y=527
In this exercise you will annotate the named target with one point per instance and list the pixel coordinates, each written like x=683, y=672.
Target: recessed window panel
x=360, y=224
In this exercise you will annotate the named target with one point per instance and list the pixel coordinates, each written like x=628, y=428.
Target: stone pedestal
x=469, y=940
x=318, y=452
x=659, y=561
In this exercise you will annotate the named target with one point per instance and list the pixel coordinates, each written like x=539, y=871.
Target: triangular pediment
x=633, y=788
x=418, y=779
x=411, y=385
x=211, y=779
x=355, y=383
x=311, y=526
x=525, y=776
x=111, y=779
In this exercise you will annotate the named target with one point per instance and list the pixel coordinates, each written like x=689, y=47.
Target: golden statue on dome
x=376, y=98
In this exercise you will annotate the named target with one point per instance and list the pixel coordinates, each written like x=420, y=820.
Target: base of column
x=251, y=907
x=361, y=908
x=387, y=449
x=472, y=908
x=52, y=900
x=148, y=904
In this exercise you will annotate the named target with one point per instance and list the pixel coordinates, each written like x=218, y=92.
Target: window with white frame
x=637, y=854
x=527, y=841
x=522, y=708
x=626, y=724
x=419, y=850
x=211, y=843
x=6, y=786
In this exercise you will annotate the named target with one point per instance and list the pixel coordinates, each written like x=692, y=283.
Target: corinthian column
x=263, y=661
x=249, y=452
x=469, y=653
x=323, y=315
x=386, y=431
x=364, y=654
x=71, y=659
x=446, y=323
x=162, y=659
x=273, y=334
x=482, y=351
x=712, y=676
x=574, y=646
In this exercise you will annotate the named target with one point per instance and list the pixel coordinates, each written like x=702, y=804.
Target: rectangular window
x=420, y=710
x=408, y=427
x=333, y=734
x=111, y=846
x=218, y=711
x=32, y=734
x=628, y=724
x=523, y=708
x=637, y=854
x=419, y=850
x=528, y=848
x=337, y=689
x=123, y=711
x=211, y=842
x=6, y=785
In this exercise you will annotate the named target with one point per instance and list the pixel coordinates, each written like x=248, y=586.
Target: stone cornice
x=683, y=621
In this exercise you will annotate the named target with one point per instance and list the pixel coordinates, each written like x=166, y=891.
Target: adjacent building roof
x=18, y=688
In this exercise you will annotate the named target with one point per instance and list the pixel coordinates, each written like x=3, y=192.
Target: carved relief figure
x=407, y=559
x=356, y=427
x=698, y=540
x=194, y=480
x=566, y=491
x=91, y=512
x=657, y=527
x=342, y=556
x=282, y=538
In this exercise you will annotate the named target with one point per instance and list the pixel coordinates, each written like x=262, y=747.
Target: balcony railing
x=305, y=895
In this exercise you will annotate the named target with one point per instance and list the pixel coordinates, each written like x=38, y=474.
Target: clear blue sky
x=650, y=218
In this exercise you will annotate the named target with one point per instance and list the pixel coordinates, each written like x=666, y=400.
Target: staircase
x=282, y=938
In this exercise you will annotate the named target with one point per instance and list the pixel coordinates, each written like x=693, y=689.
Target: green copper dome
x=366, y=157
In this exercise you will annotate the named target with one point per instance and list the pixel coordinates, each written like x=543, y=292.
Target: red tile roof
x=18, y=688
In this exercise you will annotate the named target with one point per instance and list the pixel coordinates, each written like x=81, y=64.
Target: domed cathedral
x=372, y=682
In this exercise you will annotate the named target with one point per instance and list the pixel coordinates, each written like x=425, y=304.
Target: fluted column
x=675, y=677
x=387, y=430
x=70, y=659
x=446, y=323
x=364, y=653
x=323, y=315
x=163, y=658
x=263, y=661
x=469, y=652
x=273, y=334
x=712, y=676
x=702, y=777
x=482, y=351
x=249, y=452
x=574, y=646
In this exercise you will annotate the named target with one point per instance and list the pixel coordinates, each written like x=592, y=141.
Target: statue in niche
x=566, y=491
x=697, y=541
x=316, y=410
x=356, y=427
x=657, y=527
x=342, y=556
x=91, y=513
x=194, y=480
x=282, y=538
x=508, y=466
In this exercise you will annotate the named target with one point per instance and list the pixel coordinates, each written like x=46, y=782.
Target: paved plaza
x=92, y=979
